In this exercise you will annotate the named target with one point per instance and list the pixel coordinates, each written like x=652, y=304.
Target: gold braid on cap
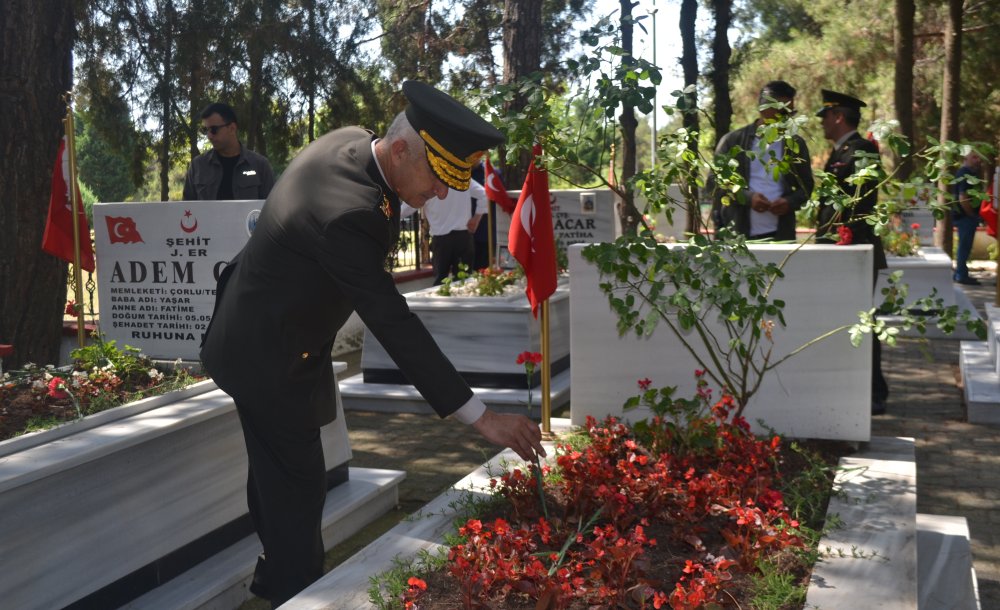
x=453, y=171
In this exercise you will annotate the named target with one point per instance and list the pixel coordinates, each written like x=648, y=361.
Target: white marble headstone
x=822, y=392
x=157, y=266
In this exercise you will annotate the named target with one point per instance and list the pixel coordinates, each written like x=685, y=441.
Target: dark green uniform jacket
x=842, y=164
x=318, y=253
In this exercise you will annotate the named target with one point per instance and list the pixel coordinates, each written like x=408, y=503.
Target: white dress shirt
x=453, y=212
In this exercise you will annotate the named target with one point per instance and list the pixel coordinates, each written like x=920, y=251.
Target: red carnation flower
x=846, y=236
x=57, y=388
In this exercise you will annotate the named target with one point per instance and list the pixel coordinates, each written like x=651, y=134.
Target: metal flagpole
x=490, y=209
x=546, y=373
x=81, y=335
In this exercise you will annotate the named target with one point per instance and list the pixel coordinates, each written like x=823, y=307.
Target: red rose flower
x=915, y=226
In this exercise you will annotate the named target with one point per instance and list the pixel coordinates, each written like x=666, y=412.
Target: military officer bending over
x=318, y=253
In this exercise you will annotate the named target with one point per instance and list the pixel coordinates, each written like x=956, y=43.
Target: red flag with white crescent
x=122, y=230
x=495, y=190
x=58, y=237
x=531, y=240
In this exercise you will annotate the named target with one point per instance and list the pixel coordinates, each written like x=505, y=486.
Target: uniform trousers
x=448, y=250
x=286, y=489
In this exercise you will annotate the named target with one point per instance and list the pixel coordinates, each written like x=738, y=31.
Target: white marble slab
x=871, y=561
x=481, y=334
x=928, y=271
x=89, y=508
x=946, y=579
x=822, y=392
x=399, y=398
x=981, y=383
x=222, y=581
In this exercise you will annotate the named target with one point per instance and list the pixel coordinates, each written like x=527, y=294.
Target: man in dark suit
x=318, y=253
x=765, y=208
x=848, y=205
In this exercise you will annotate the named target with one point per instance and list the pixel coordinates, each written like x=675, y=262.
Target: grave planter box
x=108, y=507
x=924, y=272
x=482, y=337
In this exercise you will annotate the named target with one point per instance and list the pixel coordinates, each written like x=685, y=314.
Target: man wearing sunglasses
x=229, y=170
x=764, y=208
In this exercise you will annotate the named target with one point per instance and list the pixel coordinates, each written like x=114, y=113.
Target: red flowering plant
x=653, y=516
x=900, y=242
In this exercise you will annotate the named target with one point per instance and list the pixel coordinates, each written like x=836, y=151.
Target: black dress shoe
x=878, y=406
x=968, y=281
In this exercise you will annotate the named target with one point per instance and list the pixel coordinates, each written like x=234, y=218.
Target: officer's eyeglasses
x=214, y=129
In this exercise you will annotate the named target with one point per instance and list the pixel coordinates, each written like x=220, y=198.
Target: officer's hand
x=515, y=431
x=779, y=207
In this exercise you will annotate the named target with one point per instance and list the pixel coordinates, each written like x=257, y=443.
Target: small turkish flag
x=531, y=240
x=58, y=237
x=121, y=230
x=495, y=190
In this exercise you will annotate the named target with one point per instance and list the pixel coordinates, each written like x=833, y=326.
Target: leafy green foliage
x=713, y=295
x=127, y=360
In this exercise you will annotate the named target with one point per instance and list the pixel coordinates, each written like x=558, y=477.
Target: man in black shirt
x=229, y=170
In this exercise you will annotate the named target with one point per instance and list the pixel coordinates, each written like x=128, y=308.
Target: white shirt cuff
x=471, y=411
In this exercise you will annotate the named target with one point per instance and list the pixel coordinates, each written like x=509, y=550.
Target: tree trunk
x=166, y=119
x=689, y=103
x=905, y=12
x=628, y=213
x=950, y=104
x=522, y=55
x=721, y=52
x=36, y=42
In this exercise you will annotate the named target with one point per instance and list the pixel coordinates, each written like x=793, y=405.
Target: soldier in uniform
x=840, y=116
x=318, y=253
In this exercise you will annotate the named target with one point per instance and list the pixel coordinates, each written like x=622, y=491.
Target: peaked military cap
x=832, y=99
x=455, y=137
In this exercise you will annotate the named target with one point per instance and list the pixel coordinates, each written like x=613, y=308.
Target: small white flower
x=50, y=367
x=29, y=366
